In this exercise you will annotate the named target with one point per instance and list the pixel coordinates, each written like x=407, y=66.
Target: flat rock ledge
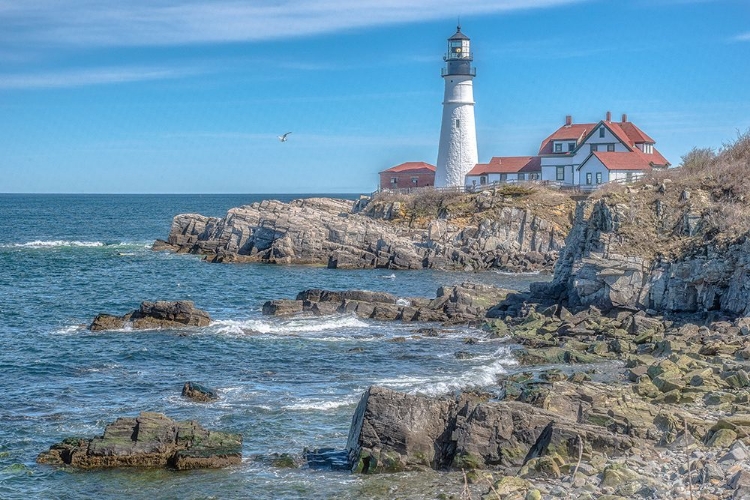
x=153, y=315
x=452, y=304
x=149, y=440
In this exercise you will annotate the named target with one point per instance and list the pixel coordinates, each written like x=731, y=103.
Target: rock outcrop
x=335, y=233
x=597, y=267
x=459, y=303
x=149, y=440
x=153, y=315
x=392, y=431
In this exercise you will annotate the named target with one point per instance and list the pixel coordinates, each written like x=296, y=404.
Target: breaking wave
x=296, y=326
x=477, y=376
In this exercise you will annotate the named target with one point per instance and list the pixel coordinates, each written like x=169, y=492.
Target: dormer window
x=571, y=146
x=558, y=147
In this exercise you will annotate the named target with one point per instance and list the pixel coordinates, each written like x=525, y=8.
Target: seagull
x=282, y=138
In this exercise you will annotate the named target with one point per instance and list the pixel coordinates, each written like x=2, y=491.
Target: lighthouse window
x=458, y=123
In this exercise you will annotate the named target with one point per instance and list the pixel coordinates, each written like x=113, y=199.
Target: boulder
x=198, y=392
x=154, y=315
x=392, y=431
x=149, y=440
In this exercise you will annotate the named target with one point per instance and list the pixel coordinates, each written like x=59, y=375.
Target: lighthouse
x=457, y=153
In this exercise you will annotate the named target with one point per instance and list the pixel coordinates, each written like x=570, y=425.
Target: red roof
x=565, y=133
x=656, y=158
x=508, y=165
x=626, y=132
x=626, y=160
x=634, y=133
x=411, y=166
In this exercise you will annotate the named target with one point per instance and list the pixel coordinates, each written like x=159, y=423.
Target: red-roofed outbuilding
x=411, y=174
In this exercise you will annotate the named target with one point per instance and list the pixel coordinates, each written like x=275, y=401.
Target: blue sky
x=159, y=96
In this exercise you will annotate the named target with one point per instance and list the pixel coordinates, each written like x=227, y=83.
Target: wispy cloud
x=97, y=76
x=172, y=22
x=743, y=37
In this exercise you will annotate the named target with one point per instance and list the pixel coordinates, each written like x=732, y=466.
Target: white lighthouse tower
x=457, y=153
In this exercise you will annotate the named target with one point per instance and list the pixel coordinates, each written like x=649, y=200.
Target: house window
x=598, y=177
x=594, y=148
x=560, y=175
x=629, y=177
x=601, y=131
x=458, y=123
x=533, y=177
x=414, y=180
x=483, y=180
x=521, y=177
x=571, y=146
x=503, y=177
x=588, y=178
x=610, y=147
x=558, y=147
x=394, y=180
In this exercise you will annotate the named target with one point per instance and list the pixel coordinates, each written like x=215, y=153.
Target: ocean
x=285, y=384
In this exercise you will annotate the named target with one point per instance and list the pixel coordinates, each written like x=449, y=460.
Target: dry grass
x=710, y=190
x=420, y=208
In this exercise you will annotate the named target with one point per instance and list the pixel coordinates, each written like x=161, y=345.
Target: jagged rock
x=152, y=315
x=198, y=392
x=345, y=234
x=149, y=440
x=459, y=303
x=392, y=431
x=596, y=267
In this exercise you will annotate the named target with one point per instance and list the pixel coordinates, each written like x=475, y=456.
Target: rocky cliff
x=600, y=267
x=469, y=232
x=675, y=242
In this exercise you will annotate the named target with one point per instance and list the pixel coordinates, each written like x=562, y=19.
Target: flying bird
x=282, y=138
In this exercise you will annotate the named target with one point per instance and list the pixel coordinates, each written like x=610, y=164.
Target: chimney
x=568, y=120
x=609, y=116
x=624, y=118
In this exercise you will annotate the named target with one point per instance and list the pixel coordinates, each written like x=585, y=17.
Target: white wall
x=475, y=180
x=622, y=175
x=457, y=153
x=592, y=166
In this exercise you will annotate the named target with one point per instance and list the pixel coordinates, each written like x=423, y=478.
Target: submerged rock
x=152, y=315
x=149, y=440
x=198, y=392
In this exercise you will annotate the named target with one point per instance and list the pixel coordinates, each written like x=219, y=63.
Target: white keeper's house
x=578, y=154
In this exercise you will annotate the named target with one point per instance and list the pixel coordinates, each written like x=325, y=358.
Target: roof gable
x=615, y=129
x=571, y=132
